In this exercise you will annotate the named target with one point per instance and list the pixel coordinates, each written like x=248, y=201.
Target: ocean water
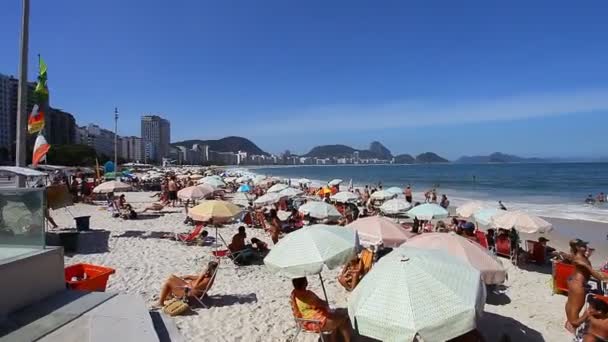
x=545, y=189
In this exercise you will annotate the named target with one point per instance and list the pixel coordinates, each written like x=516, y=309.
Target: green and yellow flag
x=35, y=123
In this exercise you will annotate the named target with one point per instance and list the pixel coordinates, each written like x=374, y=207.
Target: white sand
x=249, y=303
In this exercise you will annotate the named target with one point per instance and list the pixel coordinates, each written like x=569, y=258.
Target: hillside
x=376, y=150
x=404, y=159
x=497, y=157
x=227, y=144
x=430, y=158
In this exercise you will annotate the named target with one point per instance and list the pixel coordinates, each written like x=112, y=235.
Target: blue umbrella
x=244, y=188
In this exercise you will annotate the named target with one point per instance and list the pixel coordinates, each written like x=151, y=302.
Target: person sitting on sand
x=310, y=306
x=238, y=241
x=127, y=213
x=122, y=201
x=260, y=247
x=351, y=274
x=577, y=290
x=154, y=207
x=188, y=285
x=597, y=321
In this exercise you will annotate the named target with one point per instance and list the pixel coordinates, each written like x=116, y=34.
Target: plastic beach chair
x=561, y=272
x=536, y=252
x=307, y=325
x=481, y=238
x=190, y=237
x=367, y=259
x=503, y=246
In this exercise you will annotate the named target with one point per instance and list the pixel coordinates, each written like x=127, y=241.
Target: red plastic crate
x=91, y=277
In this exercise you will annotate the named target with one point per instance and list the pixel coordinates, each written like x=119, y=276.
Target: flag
x=35, y=123
x=41, y=147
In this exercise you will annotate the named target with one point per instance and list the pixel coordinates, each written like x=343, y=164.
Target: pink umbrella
x=375, y=230
x=492, y=271
x=193, y=193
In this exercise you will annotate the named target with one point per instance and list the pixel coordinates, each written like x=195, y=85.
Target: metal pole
x=116, y=143
x=21, y=134
x=323, y=287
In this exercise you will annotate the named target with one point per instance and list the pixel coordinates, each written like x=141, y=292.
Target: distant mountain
x=498, y=157
x=430, y=158
x=376, y=150
x=404, y=159
x=227, y=144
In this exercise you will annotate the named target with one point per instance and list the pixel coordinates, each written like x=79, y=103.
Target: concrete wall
x=30, y=278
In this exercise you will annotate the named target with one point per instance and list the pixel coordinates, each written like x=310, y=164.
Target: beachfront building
x=9, y=87
x=131, y=148
x=156, y=137
x=60, y=127
x=100, y=139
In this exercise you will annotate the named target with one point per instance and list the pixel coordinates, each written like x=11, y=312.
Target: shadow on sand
x=219, y=301
x=505, y=329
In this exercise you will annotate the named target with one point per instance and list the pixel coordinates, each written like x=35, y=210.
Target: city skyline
x=415, y=77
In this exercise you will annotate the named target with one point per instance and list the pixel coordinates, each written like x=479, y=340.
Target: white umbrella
x=319, y=210
x=468, y=209
x=111, y=186
x=277, y=187
x=344, y=197
x=216, y=183
x=334, y=182
x=269, y=198
x=428, y=211
x=291, y=192
x=241, y=198
x=484, y=216
x=394, y=190
x=395, y=206
x=413, y=291
x=383, y=195
x=375, y=230
x=522, y=222
x=304, y=181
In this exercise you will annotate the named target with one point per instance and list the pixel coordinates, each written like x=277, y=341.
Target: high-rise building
x=102, y=140
x=9, y=95
x=156, y=137
x=60, y=127
x=131, y=148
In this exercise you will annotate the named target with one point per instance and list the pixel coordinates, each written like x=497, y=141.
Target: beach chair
x=561, y=272
x=199, y=299
x=536, y=252
x=192, y=236
x=503, y=246
x=367, y=260
x=223, y=253
x=481, y=238
x=261, y=220
x=307, y=325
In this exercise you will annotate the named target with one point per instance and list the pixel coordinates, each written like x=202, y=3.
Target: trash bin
x=82, y=223
x=87, y=277
x=69, y=241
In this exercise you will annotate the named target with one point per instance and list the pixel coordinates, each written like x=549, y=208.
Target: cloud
x=430, y=113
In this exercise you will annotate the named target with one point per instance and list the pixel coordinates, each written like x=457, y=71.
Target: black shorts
x=173, y=195
x=408, y=198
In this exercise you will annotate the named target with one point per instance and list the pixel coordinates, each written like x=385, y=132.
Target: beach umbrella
x=194, y=193
x=111, y=186
x=468, y=209
x=394, y=190
x=428, y=211
x=241, y=199
x=375, y=230
x=216, y=183
x=383, y=195
x=244, y=188
x=319, y=210
x=344, y=197
x=303, y=181
x=522, y=222
x=413, y=291
x=277, y=187
x=335, y=182
x=308, y=250
x=491, y=269
x=214, y=210
x=207, y=188
x=229, y=179
x=484, y=216
x=269, y=198
x=196, y=177
x=324, y=191
x=290, y=192
x=395, y=206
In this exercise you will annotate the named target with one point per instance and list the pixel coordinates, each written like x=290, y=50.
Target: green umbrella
x=306, y=251
x=413, y=291
x=428, y=211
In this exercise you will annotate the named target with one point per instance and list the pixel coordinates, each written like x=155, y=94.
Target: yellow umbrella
x=214, y=210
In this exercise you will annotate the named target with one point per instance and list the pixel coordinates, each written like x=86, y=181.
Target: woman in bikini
x=188, y=285
x=275, y=226
x=310, y=306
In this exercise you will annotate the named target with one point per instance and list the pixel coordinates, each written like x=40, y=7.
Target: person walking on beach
x=575, y=323
x=408, y=194
x=445, y=203
x=434, y=196
x=172, y=187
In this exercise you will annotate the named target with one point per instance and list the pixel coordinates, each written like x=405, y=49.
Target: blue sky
x=466, y=77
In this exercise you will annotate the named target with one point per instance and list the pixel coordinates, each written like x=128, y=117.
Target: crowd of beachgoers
x=285, y=232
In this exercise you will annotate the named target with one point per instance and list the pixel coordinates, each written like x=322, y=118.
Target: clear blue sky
x=454, y=77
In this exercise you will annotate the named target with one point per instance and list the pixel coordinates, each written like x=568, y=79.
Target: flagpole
x=21, y=134
x=116, y=143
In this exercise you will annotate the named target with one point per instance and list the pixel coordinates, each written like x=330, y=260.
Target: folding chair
x=200, y=298
x=226, y=252
x=367, y=260
x=192, y=236
x=503, y=246
x=481, y=238
x=307, y=325
x=536, y=252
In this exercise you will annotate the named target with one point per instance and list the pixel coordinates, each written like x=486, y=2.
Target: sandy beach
x=249, y=303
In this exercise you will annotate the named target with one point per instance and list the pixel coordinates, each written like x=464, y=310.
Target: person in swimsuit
x=191, y=285
x=577, y=289
x=351, y=274
x=408, y=194
x=275, y=226
x=310, y=306
x=597, y=313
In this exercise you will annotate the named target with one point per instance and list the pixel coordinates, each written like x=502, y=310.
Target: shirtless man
x=598, y=321
x=577, y=289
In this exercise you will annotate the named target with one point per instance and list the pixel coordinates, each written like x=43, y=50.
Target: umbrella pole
x=323, y=287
